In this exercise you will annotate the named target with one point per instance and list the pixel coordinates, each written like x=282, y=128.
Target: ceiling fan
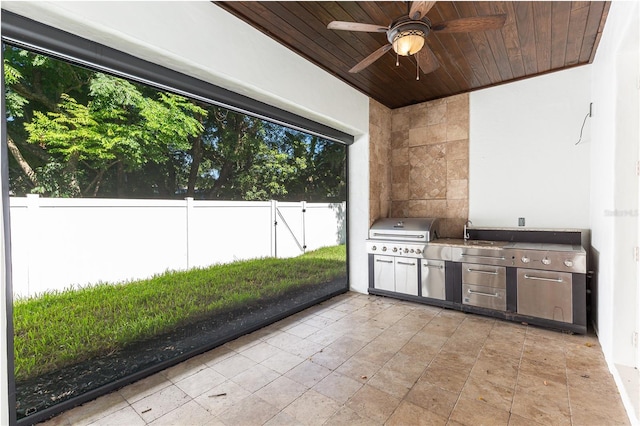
x=407, y=34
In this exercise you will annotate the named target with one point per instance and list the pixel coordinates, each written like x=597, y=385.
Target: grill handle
x=531, y=277
x=381, y=234
x=406, y=263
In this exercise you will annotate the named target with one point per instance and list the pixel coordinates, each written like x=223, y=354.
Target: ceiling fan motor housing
x=407, y=35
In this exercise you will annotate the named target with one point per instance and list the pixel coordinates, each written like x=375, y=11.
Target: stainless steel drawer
x=432, y=279
x=484, y=275
x=481, y=256
x=545, y=294
x=485, y=297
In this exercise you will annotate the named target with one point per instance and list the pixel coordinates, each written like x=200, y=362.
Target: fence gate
x=289, y=228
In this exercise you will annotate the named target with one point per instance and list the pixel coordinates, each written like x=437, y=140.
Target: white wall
x=614, y=194
x=200, y=39
x=615, y=187
x=523, y=161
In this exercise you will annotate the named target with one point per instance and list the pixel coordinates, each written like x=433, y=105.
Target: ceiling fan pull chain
x=417, y=67
x=397, y=59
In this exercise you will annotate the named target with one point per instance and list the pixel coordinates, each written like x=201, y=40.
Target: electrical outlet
x=634, y=339
x=636, y=254
x=521, y=221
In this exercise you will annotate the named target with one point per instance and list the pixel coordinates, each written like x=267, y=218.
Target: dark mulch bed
x=46, y=395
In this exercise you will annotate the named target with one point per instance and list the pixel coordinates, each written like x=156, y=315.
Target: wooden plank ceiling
x=537, y=38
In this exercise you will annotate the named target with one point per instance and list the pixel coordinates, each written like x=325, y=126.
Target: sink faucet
x=466, y=231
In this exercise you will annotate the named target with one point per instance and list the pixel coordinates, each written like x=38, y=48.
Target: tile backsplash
x=427, y=164
x=379, y=156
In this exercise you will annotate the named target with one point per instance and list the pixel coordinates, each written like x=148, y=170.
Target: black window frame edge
x=27, y=33
x=6, y=224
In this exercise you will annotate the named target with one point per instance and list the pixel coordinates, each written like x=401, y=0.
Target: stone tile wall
x=379, y=161
x=430, y=162
x=419, y=162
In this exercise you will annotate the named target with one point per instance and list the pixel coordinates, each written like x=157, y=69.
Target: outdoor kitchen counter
x=459, y=242
x=536, y=277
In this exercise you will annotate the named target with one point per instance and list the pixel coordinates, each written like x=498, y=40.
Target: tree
x=74, y=132
x=33, y=83
x=118, y=127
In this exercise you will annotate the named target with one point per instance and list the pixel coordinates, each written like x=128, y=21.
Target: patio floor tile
x=367, y=360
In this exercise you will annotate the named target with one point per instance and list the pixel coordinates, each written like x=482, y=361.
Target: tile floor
x=366, y=360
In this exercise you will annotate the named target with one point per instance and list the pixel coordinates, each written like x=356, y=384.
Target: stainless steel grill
x=397, y=249
x=405, y=237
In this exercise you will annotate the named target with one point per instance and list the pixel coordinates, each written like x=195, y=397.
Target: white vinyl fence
x=58, y=242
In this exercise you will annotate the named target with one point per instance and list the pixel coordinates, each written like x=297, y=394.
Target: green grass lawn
x=62, y=328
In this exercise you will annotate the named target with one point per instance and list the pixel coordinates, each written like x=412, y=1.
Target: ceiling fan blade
x=463, y=25
x=356, y=26
x=420, y=8
x=427, y=60
x=370, y=59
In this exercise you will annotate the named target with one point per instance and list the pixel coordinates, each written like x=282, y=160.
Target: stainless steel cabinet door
x=406, y=275
x=545, y=294
x=432, y=282
x=383, y=269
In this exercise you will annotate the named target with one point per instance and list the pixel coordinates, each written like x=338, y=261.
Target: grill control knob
x=374, y=248
x=395, y=249
x=406, y=250
x=525, y=259
x=568, y=263
x=411, y=250
x=546, y=261
x=384, y=248
x=418, y=251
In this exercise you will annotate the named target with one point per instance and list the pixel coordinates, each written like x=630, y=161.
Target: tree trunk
x=97, y=181
x=196, y=158
x=72, y=169
x=171, y=181
x=224, y=177
x=24, y=165
x=121, y=180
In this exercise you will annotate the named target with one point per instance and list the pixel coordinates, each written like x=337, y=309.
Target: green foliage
x=172, y=118
x=55, y=180
x=58, y=329
x=117, y=126
x=106, y=136
x=268, y=175
x=14, y=102
x=72, y=132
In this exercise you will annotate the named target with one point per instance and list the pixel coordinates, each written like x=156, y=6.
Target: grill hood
x=405, y=229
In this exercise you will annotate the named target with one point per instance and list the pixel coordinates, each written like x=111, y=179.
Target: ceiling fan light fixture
x=409, y=42
x=407, y=36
